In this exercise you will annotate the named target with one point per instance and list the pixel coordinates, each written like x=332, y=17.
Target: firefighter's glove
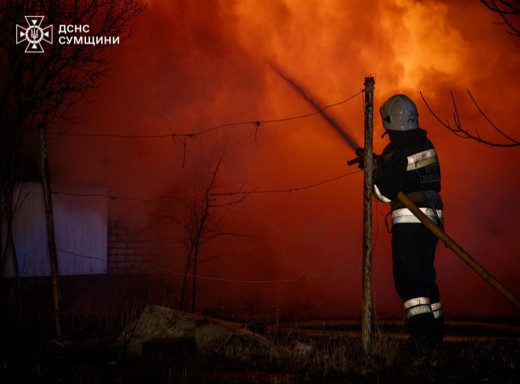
x=360, y=159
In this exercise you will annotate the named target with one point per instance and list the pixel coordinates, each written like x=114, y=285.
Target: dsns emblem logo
x=34, y=34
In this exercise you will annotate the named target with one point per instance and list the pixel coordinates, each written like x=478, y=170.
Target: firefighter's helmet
x=399, y=113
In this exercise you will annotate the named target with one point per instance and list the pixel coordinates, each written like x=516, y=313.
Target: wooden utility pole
x=366, y=328
x=51, y=241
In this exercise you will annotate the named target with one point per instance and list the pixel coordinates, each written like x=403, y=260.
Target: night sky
x=194, y=65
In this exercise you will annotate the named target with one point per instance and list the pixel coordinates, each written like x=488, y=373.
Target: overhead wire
x=300, y=279
x=288, y=190
x=249, y=192
x=256, y=123
x=173, y=135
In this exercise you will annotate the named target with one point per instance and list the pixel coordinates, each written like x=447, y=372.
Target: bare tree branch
x=463, y=133
x=507, y=10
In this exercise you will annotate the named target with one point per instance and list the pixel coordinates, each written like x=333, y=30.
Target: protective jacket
x=410, y=164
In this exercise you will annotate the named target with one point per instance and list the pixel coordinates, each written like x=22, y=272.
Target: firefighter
x=409, y=164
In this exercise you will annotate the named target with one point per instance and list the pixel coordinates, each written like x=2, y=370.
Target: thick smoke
x=194, y=65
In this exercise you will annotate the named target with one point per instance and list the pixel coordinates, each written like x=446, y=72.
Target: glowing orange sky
x=192, y=65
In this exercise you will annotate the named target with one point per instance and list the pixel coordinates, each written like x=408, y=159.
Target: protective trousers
x=413, y=255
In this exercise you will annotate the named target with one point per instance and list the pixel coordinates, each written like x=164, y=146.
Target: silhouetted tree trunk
x=201, y=225
x=51, y=239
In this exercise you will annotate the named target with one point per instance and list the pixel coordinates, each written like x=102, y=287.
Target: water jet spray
x=312, y=101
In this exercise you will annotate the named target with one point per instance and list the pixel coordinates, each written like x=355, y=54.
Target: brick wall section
x=134, y=251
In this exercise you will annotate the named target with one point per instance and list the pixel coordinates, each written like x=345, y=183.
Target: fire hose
x=451, y=244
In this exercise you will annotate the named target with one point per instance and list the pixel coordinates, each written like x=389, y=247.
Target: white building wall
x=80, y=226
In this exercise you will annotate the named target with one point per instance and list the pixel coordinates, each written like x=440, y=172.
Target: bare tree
x=507, y=10
x=41, y=85
x=458, y=130
x=202, y=225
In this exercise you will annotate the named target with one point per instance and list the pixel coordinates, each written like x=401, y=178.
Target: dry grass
x=336, y=359
x=393, y=360
x=29, y=355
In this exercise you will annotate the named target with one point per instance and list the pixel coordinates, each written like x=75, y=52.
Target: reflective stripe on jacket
x=404, y=215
